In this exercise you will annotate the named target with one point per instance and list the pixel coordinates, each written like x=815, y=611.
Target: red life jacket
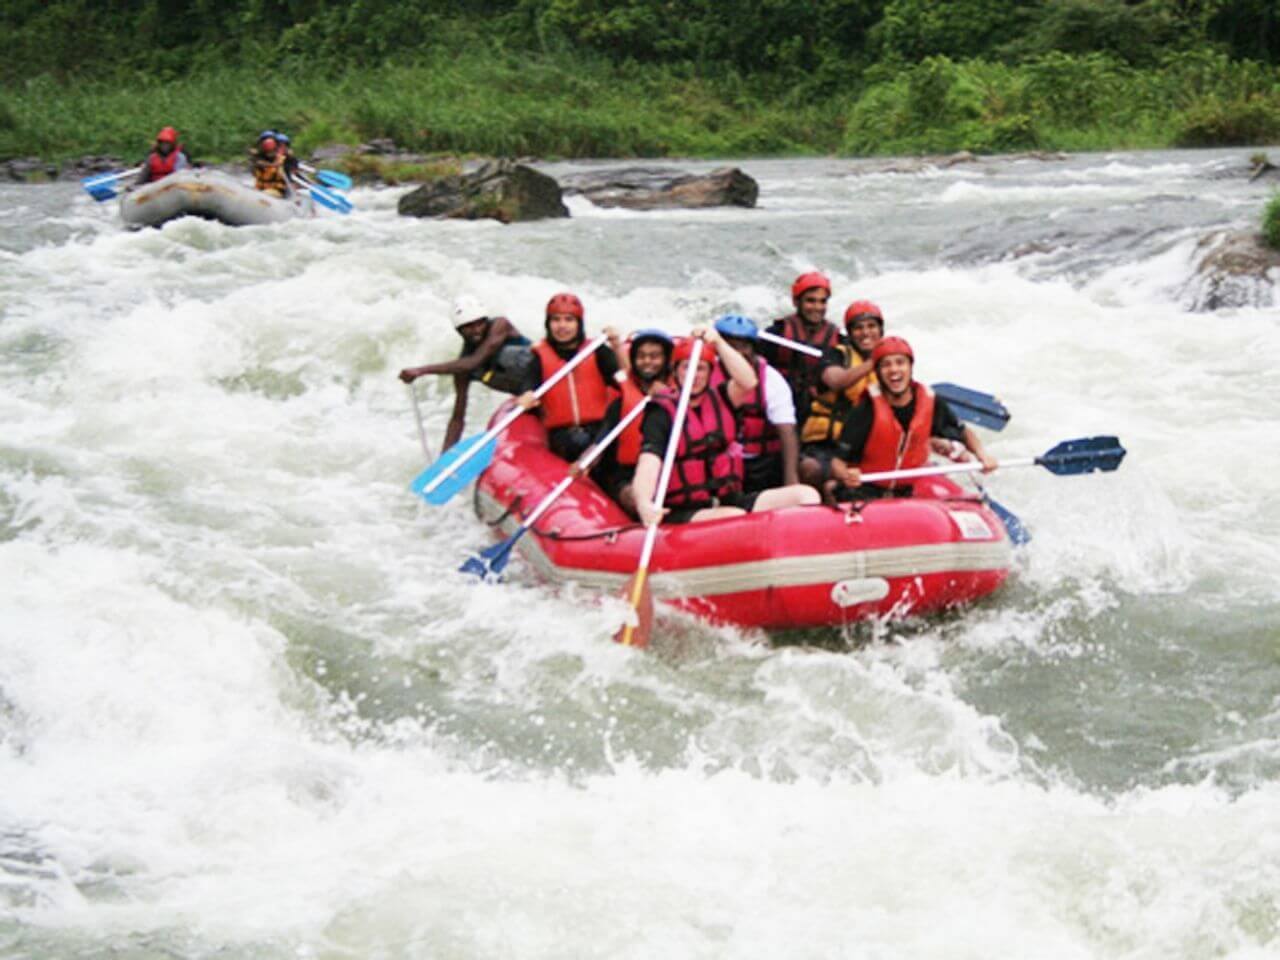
x=889, y=447
x=708, y=463
x=628, y=449
x=579, y=398
x=163, y=166
x=756, y=434
x=802, y=371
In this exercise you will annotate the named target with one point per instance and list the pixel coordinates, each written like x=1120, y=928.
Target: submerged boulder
x=1234, y=269
x=501, y=190
x=655, y=188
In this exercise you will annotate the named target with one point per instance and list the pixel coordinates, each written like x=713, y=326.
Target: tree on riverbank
x=642, y=77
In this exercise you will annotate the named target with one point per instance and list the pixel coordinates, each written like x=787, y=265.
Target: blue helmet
x=736, y=325
x=282, y=137
x=268, y=134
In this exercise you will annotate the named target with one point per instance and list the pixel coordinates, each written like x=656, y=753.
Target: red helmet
x=810, y=281
x=684, y=350
x=167, y=135
x=863, y=308
x=890, y=346
x=565, y=303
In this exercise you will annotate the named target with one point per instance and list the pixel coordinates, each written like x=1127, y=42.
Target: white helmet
x=467, y=310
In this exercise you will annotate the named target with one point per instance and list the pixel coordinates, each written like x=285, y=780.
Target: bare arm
x=644, y=485
x=841, y=378
x=790, y=452
x=742, y=375
x=974, y=445
x=458, y=419
x=498, y=333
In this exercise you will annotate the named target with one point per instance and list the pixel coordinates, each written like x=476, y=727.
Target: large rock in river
x=655, y=188
x=1235, y=269
x=502, y=190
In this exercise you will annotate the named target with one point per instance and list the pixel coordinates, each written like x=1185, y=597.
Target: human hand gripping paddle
x=469, y=457
x=971, y=406
x=102, y=186
x=635, y=632
x=491, y=561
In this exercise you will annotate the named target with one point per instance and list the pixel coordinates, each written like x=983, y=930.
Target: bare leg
x=795, y=495
x=717, y=513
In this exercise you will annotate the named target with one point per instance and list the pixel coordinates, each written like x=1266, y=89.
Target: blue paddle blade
x=489, y=563
x=444, y=491
x=1018, y=534
x=101, y=192
x=332, y=178
x=973, y=406
x=329, y=199
x=1072, y=457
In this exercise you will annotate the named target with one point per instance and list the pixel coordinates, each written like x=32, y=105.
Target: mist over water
x=249, y=708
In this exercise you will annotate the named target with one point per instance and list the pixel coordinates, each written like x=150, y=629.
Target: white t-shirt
x=779, y=403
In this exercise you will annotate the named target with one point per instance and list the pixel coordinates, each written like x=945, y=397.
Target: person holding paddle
x=573, y=411
x=494, y=353
x=706, y=480
x=807, y=326
x=891, y=428
x=166, y=157
x=272, y=165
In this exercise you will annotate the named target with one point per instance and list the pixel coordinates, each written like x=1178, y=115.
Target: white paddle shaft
x=790, y=344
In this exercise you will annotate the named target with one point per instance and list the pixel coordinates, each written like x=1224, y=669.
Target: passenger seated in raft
x=766, y=419
x=810, y=294
x=649, y=353
x=574, y=408
x=891, y=428
x=167, y=156
x=494, y=353
x=845, y=375
x=706, y=479
x=273, y=167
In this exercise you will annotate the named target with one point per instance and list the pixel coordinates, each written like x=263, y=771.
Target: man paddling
x=494, y=353
x=810, y=294
x=846, y=374
x=706, y=480
x=892, y=426
x=167, y=156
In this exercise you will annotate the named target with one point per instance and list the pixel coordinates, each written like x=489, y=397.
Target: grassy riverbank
x=516, y=104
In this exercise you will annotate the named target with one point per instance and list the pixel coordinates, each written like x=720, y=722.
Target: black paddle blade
x=1084, y=455
x=973, y=406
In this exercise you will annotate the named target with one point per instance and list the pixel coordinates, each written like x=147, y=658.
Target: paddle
x=439, y=482
x=417, y=416
x=636, y=631
x=1069, y=458
x=969, y=405
x=1019, y=535
x=491, y=561
x=973, y=406
x=102, y=186
x=330, y=178
x=325, y=197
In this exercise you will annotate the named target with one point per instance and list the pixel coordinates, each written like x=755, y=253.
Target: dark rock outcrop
x=29, y=169
x=1235, y=269
x=656, y=188
x=501, y=190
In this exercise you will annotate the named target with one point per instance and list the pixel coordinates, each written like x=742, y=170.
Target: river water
x=249, y=709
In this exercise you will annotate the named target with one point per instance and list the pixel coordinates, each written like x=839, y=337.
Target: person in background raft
x=846, y=374
x=650, y=358
x=272, y=165
x=167, y=156
x=766, y=419
x=892, y=426
x=493, y=353
x=808, y=325
x=574, y=408
x=706, y=478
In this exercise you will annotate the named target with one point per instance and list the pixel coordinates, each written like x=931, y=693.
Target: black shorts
x=569, y=443
x=823, y=453
x=762, y=473
x=612, y=477
x=746, y=501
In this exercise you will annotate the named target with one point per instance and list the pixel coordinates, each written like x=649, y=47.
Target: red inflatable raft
x=798, y=567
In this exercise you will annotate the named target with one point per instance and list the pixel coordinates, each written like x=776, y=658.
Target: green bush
x=1213, y=122
x=1271, y=222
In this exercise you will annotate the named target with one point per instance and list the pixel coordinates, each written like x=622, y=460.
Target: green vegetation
x=640, y=77
x=1271, y=222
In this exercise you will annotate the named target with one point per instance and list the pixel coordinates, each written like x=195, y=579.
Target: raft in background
x=211, y=195
x=781, y=569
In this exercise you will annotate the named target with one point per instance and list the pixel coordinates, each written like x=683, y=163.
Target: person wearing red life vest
x=891, y=428
x=575, y=407
x=706, y=479
x=649, y=354
x=810, y=293
x=167, y=156
x=846, y=375
x=767, y=419
x=494, y=353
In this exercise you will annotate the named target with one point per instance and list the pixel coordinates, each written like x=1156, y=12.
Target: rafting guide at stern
x=166, y=157
x=494, y=353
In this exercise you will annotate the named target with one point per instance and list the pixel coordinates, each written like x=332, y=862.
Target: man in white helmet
x=494, y=353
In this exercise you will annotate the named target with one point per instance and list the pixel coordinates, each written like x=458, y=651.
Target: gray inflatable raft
x=209, y=194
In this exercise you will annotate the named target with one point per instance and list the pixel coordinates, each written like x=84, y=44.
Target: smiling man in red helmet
x=892, y=426
x=810, y=293
x=167, y=156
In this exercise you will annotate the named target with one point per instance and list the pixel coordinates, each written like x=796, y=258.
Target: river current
x=250, y=709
